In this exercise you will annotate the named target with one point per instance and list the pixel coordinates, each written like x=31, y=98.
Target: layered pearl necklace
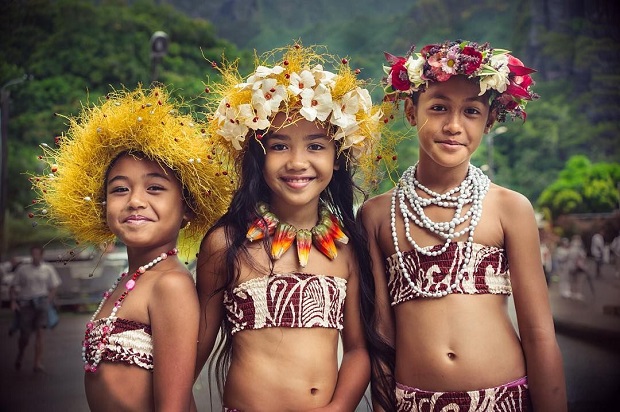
x=107, y=328
x=472, y=191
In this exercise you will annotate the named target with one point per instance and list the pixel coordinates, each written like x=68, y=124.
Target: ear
x=187, y=216
x=410, y=109
x=490, y=121
x=337, y=162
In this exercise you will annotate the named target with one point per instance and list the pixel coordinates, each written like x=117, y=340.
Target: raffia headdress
x=71, y=192
x=293, y=80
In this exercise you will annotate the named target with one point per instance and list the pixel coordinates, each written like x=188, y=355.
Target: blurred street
x=588, y=334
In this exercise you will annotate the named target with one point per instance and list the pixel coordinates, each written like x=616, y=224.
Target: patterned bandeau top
x=130, y=342
x=486, y=272
x=295, y=300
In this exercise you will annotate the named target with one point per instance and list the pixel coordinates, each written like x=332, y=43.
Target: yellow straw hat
x=71, y=192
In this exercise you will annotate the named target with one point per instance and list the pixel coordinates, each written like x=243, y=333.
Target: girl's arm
x=173, y=313
x=210, y=275
x=372, y=214
x=354, y=372
x=542, y=354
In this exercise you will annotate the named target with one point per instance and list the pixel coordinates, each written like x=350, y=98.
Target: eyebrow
x=282, y=136
x=148, y=175
x=442, y=96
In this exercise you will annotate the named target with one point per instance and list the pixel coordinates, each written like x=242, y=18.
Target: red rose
x=399, y=78
x=470, y=60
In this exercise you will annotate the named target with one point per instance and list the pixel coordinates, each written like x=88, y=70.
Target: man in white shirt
x=597, y=249
x=32, y=291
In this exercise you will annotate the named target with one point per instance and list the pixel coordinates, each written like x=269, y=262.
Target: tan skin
x=164, y=296
x=467, y=342
x=289, y=369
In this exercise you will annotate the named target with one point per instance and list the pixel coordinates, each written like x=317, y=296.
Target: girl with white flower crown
x=279, y=275
x=134, y=168
x=454, y=246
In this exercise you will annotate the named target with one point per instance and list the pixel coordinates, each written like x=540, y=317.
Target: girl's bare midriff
x=443, y=344
x=119, y=387
x=284, y=369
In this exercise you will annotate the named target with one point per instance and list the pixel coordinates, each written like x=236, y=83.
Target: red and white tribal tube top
x=486, y=272
x=129, y=342
x=295, y=300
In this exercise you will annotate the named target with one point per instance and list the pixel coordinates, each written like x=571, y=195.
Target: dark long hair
x=341, y=196
x=382, y=354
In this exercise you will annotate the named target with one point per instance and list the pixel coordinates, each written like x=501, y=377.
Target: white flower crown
x=298, y=83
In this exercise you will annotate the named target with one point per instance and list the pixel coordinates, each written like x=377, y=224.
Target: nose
x=136, y=200
x=453, y=124
x=297, y=160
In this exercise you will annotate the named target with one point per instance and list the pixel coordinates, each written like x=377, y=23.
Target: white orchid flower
x=301, y=81
x=316, y=103
x=234, y=132
x=364, y=99
x=495, y=75
x=352, y=139
x=249, y=118
x=221, y=112
x=322, y=76
x=415, y=66
x=344, y=111
x=268, y=95
x=262, y=72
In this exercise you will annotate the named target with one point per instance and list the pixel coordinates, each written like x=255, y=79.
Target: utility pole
x=491, y=150
x=159, y=48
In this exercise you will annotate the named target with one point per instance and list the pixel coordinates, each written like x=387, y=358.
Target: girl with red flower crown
x=278, y=276
x=455, y=246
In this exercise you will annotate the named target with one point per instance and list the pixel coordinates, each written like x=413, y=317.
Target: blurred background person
x=577, y=267
x=562, y=267
x=32, y=290
x=615, y=252
x=597, y=249
x=7, y=273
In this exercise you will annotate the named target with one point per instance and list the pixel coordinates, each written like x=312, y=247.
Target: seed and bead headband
x=292, y=80
x=496, y=69
x=72, y=191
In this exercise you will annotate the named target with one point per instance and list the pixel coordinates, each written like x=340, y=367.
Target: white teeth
x=297, y=180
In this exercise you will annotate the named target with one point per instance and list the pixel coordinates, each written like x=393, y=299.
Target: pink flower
x=436, y=70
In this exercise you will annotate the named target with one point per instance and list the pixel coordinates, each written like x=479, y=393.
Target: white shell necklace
x=411, y=205
x=106, y=330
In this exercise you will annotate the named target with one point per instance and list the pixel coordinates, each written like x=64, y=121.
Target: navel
x=314, y=391
x=451, y=355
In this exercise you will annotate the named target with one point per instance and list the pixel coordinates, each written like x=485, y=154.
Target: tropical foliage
x=75, y=51
x=583, y=187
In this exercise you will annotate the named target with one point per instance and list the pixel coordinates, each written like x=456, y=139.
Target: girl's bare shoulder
x=508, y=201
x=178, y=278
x=377, y=206
x=215, y=240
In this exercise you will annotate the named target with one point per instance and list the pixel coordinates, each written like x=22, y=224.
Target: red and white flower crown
x=497, y=70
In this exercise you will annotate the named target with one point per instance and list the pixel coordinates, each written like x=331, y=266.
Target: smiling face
x=451, y=119
x=144, y=203
x=300, y=161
